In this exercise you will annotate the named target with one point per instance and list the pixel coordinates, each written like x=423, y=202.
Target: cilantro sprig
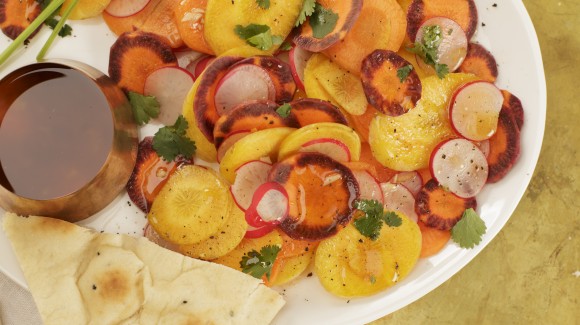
x=257, y=264
x=259, y=36
x=144, y=107
x=306, y=11
x=374, y=216
x=323, y=20
x=171, y=141
x=468, y=231
x=403, y=72
x=264, y=4
x=427, y=48
x=284, y=110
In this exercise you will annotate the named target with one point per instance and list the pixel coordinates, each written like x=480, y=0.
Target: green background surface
x=530, y=273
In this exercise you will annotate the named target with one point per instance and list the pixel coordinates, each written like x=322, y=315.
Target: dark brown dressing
x=56, y=130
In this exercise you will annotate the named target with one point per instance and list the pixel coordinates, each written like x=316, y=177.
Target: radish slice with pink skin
x=170, y=86
x=269, y=205
x=229, y=142
x=243, y=83
x=249, y=177
x=298, y=59
x=201, y=65
x=460, y=166
x=126, y=8
x=154, y=237
x=453, y=47
x=484, y=147
x=398, y=198
x=474, y=110
x=411, y=180
x=330, y=147
x=370, y=189
x=187, y=57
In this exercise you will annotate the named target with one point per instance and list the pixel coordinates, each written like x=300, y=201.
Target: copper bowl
x=109, y=180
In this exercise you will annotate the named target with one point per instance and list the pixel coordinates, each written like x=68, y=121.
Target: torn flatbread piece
x=79, y=276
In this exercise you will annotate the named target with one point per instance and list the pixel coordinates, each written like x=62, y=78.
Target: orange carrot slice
x=135, y=55
x=16, y=15
x=362, y=123
x=348, y=11
x=384, y=174
x=190, y=20
x=433, y=239
x=308, y=111
x=382, y=84
x=479, y=62
x=504, y=146
x=439, y=208
x=462, y=12
x=388, y=24
x=425, y=175
x=511, y=102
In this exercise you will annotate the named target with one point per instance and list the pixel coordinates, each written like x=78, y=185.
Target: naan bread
x=78, y=276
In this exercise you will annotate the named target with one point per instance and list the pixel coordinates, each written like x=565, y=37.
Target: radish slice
x=269, y=205
x=249, y=177
x=188, y=60
x=200, y=65
x=411, y=180
x=453, y=47
x=154, y=237
x=370, y=189
x=298, y=59
x=331, y=147
x=170, y=86
x=474, y=110
x=257, y=232
x=242, y=83
x=484, y=147
x=459, y=166
x=229, y=142
x=398, y=198
x=125, y=8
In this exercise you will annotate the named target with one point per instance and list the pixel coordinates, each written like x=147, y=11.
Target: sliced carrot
x=504, y=146
x=362, y=123
x=433, y=239
x=425, y=175
x=381, y=25
x=479, y=62
x=384, y=174
x=384, y=89
x=16, y=15
x=511, y=102
x=348, y=12
x=293, y=247
x=308, y=111
x=190, y=20
x=253, y=115
x=462, y=12
x=135, y=55
x=439, y=208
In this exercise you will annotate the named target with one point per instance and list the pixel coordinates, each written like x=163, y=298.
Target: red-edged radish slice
x=459, y=166
x=370, y=189
x=125, y=8
x=474, y=110
x=298, y=59
x=331, y=147
x=484, y=147
x=154, y=237
x=269, y=205
x=249, y=177
x=229, y=142
x=257, y=232
x=187, y=57
x=411, y=180
x=453, y=47
x=398, y=198
x=201, y=65
x=170, y=86
x=242, y=83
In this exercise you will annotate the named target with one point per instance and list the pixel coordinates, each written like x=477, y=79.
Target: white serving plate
x=508, y=34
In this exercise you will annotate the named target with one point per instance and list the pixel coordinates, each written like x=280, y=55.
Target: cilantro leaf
x=64, y=32
x=403, y=72
x=257, y=264
x=259, y=36
x=264, y=4
x=284, y=110
x=322, y=21
x=306, y=11
x=371, y=223
x=427, y=49
x=171, y=141
x=468, y=231
x=286, y=46
x=144, y=107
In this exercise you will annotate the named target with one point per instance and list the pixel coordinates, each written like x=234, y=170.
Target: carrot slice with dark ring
x=479, y=62
x=16, y=15
x=462, y=12
x=308, y=111
x=382, y=86
x=439, y=208
x=504, y=146
x=433, y=239
x=321, y=194
x=514, y=104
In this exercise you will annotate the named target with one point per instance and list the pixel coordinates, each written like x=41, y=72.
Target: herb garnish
x=371, y=223
x=322, y=21
x=64, y=32
x=403, y=72
x=257, y=264
x=171, y=141
x=264, y=4
x=427, y=48
x=306, y=11
x=468, y=231
x=259, y=36
x=144, y=107
x=284, y=110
